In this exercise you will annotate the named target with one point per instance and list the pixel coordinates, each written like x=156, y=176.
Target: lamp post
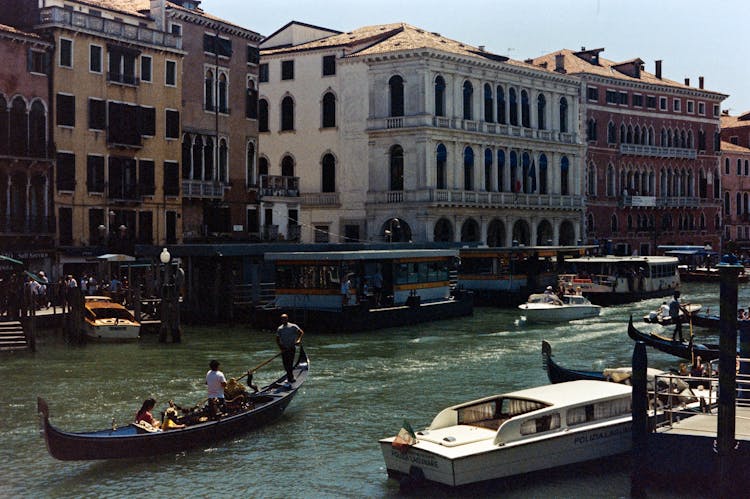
x=392, y=224
x=170, y=312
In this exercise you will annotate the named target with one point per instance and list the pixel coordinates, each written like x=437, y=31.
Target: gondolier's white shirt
x=214, y=379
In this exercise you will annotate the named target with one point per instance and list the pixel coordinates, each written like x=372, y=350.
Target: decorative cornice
x=653, y=87
x=214, y=24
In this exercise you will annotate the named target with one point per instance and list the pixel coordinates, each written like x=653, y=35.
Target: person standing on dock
x=674, y=313
x=288, y=336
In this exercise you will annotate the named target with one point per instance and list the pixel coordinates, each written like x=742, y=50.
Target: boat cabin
x=641, y=275
x=317, y=280
x=528, y=413
x=505, y=275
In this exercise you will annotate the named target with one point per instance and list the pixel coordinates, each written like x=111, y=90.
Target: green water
x=361, y=387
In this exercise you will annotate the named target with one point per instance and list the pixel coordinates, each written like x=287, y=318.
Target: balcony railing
x=445, y=197
x=125, y=79
x=321, y=199
x=658, y=152
x=662, y=202
x=279, y=185
x=293, y=232
x=110, y=27
x=202, y=189
x=421, y=121
x=269, y=232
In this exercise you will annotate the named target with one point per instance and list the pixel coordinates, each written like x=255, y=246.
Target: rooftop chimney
x=658, y=69
x=481, y=48
x=157, y=9
x=700, y=82
x=687, y=82
x=560, y=63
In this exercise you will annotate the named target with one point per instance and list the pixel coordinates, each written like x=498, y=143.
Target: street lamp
x=170, y=316
x=164, y=256
x=392, y=224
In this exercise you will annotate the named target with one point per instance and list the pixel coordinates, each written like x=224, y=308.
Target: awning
x=114, y=257
x=4, y=258
x=35, y=277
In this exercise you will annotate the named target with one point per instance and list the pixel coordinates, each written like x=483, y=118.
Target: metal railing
x=279, y=185
x=658, y=151
x=476, y=198
x=203, y=189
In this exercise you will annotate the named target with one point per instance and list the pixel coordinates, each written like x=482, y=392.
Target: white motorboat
x=106, y=320
x=519, y=432
x=550, y=308
x=661, y=314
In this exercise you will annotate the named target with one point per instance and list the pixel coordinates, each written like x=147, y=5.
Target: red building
x=26, y=173
x=652, y=162
x=735, y=181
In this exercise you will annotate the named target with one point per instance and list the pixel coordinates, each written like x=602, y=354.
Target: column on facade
x=456, y=230
x=553, y=172
x=556, y=230
x=533, y=118
x=483, y=224
x=455, y=157
x=27, y=207
x=508, y=230
x=422, y=163
x=533, y=224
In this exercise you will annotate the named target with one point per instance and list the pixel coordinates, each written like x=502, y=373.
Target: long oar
x=258, y=366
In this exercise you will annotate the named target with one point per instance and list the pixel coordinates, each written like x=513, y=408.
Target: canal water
x=361, y=388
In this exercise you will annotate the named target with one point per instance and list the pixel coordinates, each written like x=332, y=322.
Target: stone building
x=116, y=103
x=219, y=127
x=735, y=180
x=26, y=166
x=652, y=162
x=394, y=133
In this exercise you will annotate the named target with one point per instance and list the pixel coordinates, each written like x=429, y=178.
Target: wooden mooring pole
x=729, y=269
x=640, y=421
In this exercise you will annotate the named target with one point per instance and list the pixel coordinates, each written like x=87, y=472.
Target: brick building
x=26, y=166
x=735, y=181
x=652, y=162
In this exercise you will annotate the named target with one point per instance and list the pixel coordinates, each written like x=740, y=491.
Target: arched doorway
x=443, y=231
x=470, y=231
x=496, y=233
x=544, y=234
x=396, y=230
x=521, y=232
x=567, y=234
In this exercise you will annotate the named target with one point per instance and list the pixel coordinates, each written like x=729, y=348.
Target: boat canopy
x=347, y=256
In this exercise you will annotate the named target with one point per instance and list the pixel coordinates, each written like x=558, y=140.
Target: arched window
x=397, y=168
x=543, y=174
x=727, y=206
x=590, y=223
x=468, y=97
x=611, y=133
x=223, y=93
x=3, y=125
x=208, y=92
x=441, y=182
x=223, y=158
x=250, y=165
x=187, y=156
x=396, y=86
x=500, y=170
x=613, y=223
x=738, y=204
x=515, y=183
x=37, y=130
x=439, y=96
x=488, y=107
x=287, y=166
x=329, y=110
x=726, y=166
x=528, y=180
x=564, y=181
x=262, y=166
x=611, y=187
x=251, y=100
x=541, y=111
x=263, y=115
x=623, y=134
x=513, y=103
x=591, y=129
x=500, y=97
x=468, y=169
x=287, y=113
x=488, y=169
x=198, y=158
x=563, y=114
x=328, y=177
x=525, y=109
x=19, y=127
x=208, y=159
x=739, y=166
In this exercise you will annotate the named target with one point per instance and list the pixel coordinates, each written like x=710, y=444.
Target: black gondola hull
x=687, y=351
x=559, y=374
x=130, y=442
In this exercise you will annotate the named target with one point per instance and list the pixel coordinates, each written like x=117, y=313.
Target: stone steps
x=12, y=337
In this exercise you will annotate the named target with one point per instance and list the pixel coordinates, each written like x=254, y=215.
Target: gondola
x=559, y=374
x=131, y=441
x=713, y=321
x=684, y=350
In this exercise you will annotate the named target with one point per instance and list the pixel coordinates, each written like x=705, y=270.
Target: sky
x=692, y=37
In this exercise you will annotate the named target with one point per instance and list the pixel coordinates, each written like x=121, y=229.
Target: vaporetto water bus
x=607, y=280
x=344, y=291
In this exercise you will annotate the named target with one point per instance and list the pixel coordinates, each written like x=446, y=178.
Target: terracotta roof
x=574, y=64
x=200, y=12
x=130, y=7
x=735, y=121
x=729, y=147
x=10, y=29
x=385, y=38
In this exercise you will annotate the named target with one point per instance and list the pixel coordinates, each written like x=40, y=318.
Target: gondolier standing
x=674, y=313
x=288, y=336
x=215, y=382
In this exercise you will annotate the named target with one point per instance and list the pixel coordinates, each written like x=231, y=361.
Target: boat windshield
x=496, y=410
x=112, y=313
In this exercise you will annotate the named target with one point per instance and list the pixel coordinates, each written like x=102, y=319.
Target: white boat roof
x=362, y=255
x=624, y=259
x=572, y=392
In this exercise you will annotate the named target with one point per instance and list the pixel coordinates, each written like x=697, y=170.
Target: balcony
x=279, y=186
x=293, y=232
x=425, y=120
x=269, y=232
x=108, y=27
x=657, y=152
x=451, y=198
x=124, y=79
x=203, y=189
x=320, y=199
x=661, y=202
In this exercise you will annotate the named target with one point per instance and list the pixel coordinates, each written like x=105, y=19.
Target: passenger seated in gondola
x=237, y=395
x=170, y=418
x=144, y=416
